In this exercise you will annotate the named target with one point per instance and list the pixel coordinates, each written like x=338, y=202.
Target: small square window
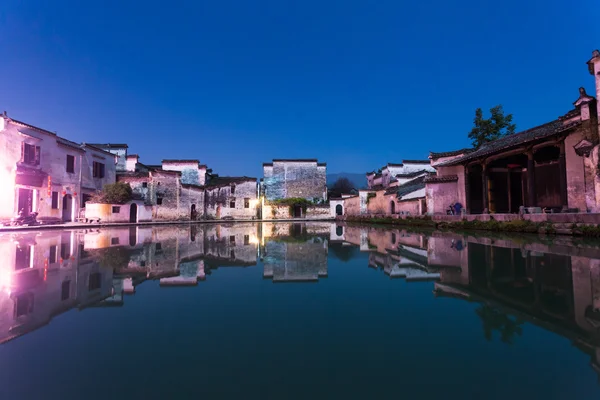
x=232, y=239
x=246, y=203
x=144, y=184
x=114, y=240
x=246, y=239
x=232, y=189
x=159, y=200
x=232, y=203
x=116, y=209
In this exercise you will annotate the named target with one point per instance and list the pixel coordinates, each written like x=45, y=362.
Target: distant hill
x=358, y=180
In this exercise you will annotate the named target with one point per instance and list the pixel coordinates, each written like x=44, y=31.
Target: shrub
x=113, y=193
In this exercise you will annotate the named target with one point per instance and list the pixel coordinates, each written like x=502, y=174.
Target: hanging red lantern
x=64, y=192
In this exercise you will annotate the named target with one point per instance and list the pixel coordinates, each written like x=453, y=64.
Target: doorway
x=193, y=214
x=339, y=210
x=392, y=207
x=25, y=202
x=133, y=213
x=67, y=208
x=297, y=211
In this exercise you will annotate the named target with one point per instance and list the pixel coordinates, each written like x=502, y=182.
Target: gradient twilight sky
x=237, y=83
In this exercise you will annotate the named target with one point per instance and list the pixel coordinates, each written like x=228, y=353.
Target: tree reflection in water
x=495, y=320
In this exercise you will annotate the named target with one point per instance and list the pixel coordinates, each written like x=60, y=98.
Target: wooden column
x=509, y=191
x=562, y=165
x=467, y=190
x=484, y=179
x=530, y=179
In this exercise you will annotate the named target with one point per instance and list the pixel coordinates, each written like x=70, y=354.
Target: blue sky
x=237, y=83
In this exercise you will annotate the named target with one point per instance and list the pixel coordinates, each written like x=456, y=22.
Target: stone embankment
x=548, y=224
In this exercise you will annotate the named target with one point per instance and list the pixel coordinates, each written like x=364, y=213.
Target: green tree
x=342, y=185
x=495, y=320
x=490, y=129
x=114, y=193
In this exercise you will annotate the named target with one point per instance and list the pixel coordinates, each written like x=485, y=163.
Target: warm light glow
x=253, y=239
x=5, y=279
x=7, y=187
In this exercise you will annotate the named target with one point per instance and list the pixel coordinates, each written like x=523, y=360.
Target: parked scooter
x=24, y=220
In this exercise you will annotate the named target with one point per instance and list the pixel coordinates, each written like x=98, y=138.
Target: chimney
x=594, y=68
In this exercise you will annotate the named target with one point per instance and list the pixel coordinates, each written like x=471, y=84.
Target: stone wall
x=277, y=211
x=219, y=199
x=576, y=173
x=192, y=173
x=286, y=179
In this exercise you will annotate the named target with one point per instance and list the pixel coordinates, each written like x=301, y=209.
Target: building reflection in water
x=554, y=286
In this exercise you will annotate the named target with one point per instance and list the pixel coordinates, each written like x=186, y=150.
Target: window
x=232, y=189
x=23, y=257
x=23, y=304
x=232, y=239
x=95, y=281
x=246, y=203
x=52, y=256
x=142, y=263
x=159, y=200
x=65, y=290
x=30, y=154
x=98, y=170
x=232, y=203
x=246, y=239
x=144, y=184
x=55, y=200
x=114, y=241
x=158, y=248
x=232, y=254
x=116, y=209
x=65, y=251
x=70, y=164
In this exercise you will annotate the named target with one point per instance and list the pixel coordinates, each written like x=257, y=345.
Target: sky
x=234, y=84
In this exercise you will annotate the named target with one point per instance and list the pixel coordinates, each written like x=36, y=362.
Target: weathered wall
x=575, y=173
x=277, y=211
x=410, y=207
x=218, y=201
x=440, y=195
x=352, y=205
x=191, y=171
x=380, y=204
x=285, y=179
x=106, y=212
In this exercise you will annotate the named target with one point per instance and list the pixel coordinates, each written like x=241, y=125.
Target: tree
x=113, y=193
x=495, y=127
x=342, y=185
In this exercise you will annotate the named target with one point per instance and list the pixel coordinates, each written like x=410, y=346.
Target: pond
x=281, y=310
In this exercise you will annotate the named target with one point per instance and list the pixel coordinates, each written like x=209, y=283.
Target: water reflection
x=517, y=280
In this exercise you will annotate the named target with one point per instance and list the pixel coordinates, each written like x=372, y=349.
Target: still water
x=280, y=311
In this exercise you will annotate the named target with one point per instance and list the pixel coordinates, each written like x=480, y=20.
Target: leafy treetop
x=490, y=129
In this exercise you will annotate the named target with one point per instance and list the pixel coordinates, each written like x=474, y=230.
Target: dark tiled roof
x=266, y=164
x=130, y=174
x=573, y=113
x=434, y=155
x=411, y=174
x=96, y=148
x=110, y=145
x=311, y=160
x=191, y=186
x=408, y=187
x=32, y=127
x=415, y=161
x=441, y=179
x=68, y=143
x=393, y=165
x=539, y=132
x=181, y=161
x=321, y=164
x=376, y=187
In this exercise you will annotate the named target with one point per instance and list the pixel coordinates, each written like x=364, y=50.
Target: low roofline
x=416, y=161
x=168, y=161
x=110, y=145
x=31, y=126
x=295, y=160
x=91, y=146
